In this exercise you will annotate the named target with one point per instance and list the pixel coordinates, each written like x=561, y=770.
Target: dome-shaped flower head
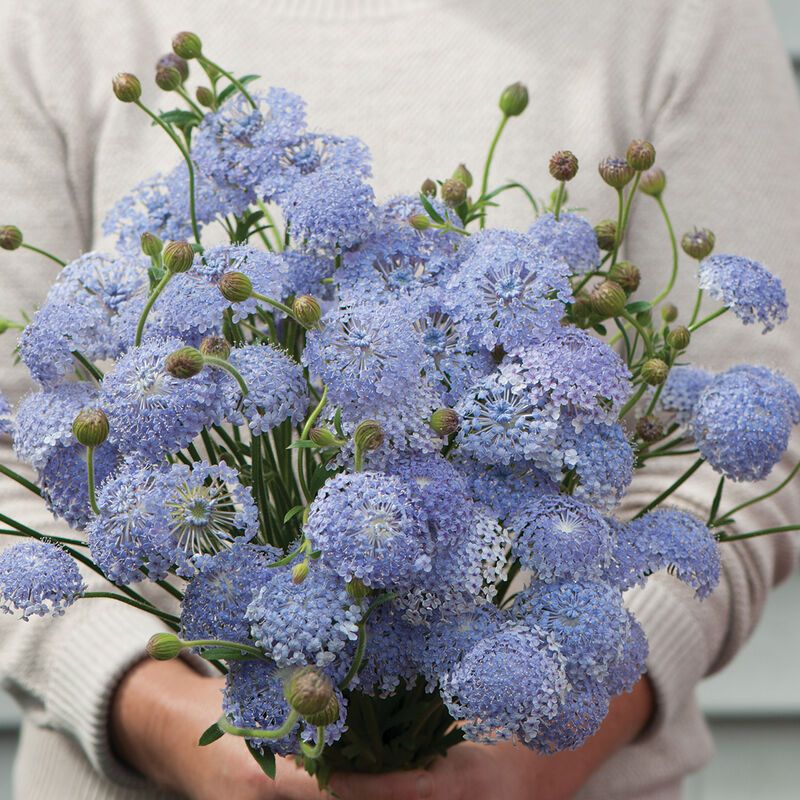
x=680, y=391
x=329, y=211
x=570, y=238
x=38, y=578
x=580, y=715
x=253, y=698
x=747, y=287
x=241, y=146
x=587, y=620
x=152, y=413
x=364, y=353
x=508, y=291
x=216, y=599
x=559, y=537
x=305, y=273
x=6, y=422
x=276, y=387
x=742, y=422
x=507, y=686
x=366, y=526
x=307, y=623
x=630, y=666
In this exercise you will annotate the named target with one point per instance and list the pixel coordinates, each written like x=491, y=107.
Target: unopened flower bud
x=514, y=99
x=445, y=421
x=428, y=187
x=615, y=172
x=461, y=173
x=216, y=347
x=357, y=589
x=176, y=62
x=627, y=275
x=308, y=690
x=698, y=243
x=563, y=165
x=655, y=371
x=369, y=435
x=204, y=96
x=645, y=318
x=151, y=244
x=187, y=45
x=184, y=363
x=649, y=428
x=606, y=233
x=669, y=312
x=168, y=78
x=323, y=437
x=178, y=256
x=327, y=716
x=235, y=287
x=307, y=310
x=608, y=299
x=454, y=192
x=641, y=154
x=90, y=427
x=582, y=310
x=10, y=237
x=653, y=182
x=678, y=338
x=164, y=646
x=300, y=572
x=126, y=87
x=419, y=222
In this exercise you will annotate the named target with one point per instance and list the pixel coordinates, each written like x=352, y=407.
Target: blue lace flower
x=624, y=673
x=305, y=273
x=571, y=238
x=6, y=422
x=37, y=579
x=679, y=394
x=747, y=287
x=579, y=716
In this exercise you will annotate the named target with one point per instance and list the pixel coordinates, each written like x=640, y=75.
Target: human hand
x=157, y=715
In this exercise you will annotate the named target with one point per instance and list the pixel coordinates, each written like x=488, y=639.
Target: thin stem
x=654, y=401
x=633, y=400
x=87, y=365
x=185, y=95
x=159, y=287
x=44, y=253
x=618, y=237
x=276, y=304
x=287, y=559
x=559, y=200
x=207, y=62
x=764, y=496
x=90, y=479
x=488, y=165
x=628, y=205
x=279, y=243
x=361, y=646
x=763, y=532
x=313, y=753
x=719, y=312
x=260, y=733
x=648, y=343
x=667, y=492
x=172, y=620
x=213, y=361
x=56, y=539
x=9, y=473
x=245, y=648
x=697, y=303
x=674, y=243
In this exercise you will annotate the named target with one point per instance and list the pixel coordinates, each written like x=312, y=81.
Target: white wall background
x=753, y=707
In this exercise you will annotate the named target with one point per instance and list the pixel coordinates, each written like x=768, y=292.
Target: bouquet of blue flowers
x=371, y=453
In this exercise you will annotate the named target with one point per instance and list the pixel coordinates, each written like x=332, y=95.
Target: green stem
x=287, y=559
x=674, y=243
x=697, y=303
x=719, y=312
x=44, y=253
x=245, y=648
x=172, y=620
x=279, y=244
x=667, y=492
x=55, y=539
x=618, y=237
x=159, y=287
x=559, y=200
x=207, y=62
x=221, y=363
x=764, y=496
x=633, y=400
x=90, y=479
x=276, y=304
x=648, y=343
x=185, y=95
x=628, y=204
x=260, y=733
x=489, y=157
x=315, y=413
x=361, y=646
x=313, y=753
x=9, y=473
x=763, y=532
x=87, y=365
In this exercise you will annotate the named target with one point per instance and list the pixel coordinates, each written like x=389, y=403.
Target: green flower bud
x=649, y=428
x=461, y=173
x=164, y=646
x=324, y=437
x=204, y=96
x=653, y=182
x=445, y=421
x=151, y=244
x=369, y=435
x=698, y=243
x=641, y=155
x=582, y=310
x=184, y=363
x=178, y=63
x=678, y=338
x=563, y=165
x=669, y=312
x=627, y=275
x=216, y=347
x=454, y=192
x=168, y=78
x=514, y=99
x=428, y=187
x=90, y=427
x=187, y=45
x=606, y=232
x=10, y=237
x=655, y=371
x=615, y=172
x=300, y=572
x=178, y=256
x=307, y=310
x=357, y=589
x=419, y=222
x=308, y=690
x=608, y=299
x=235, y=286
x=645, y=318
x=126, y=87
x=327, y=716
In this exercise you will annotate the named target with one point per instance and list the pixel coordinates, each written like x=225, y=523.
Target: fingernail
x=424, y=786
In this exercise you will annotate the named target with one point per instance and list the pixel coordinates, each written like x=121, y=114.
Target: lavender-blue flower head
x=38, y=578
x=579, y=716
x=305, y=273
x=747, y=287
x=680, y=391
x=6, y=422
x=571, y=238
x=629, y=667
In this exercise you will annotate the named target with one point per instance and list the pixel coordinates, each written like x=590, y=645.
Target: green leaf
x=432, y=212
x=210, y=734
x=179, y=118
x=601, y=329
x=292, y=513
x=717, y=500
x=224, y=653
x=264, y=758
x=302, y=444
x=638, y=306
x=337, y=423
x=230, y=89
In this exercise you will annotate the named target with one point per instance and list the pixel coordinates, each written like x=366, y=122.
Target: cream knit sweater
x=706, y=80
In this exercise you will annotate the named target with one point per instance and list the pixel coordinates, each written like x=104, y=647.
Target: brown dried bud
x=649, y=428
x=454, y=192
x=641, y=154
x=428, y=188
x=563, y=165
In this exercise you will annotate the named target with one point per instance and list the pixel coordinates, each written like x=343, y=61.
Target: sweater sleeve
x=725, y=121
